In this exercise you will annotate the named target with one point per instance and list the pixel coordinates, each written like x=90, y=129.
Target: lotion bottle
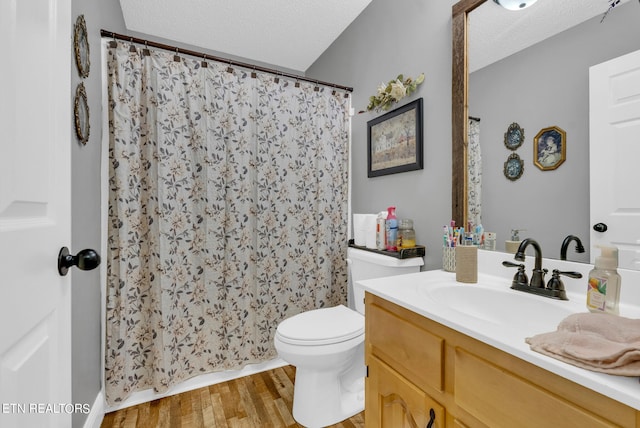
x=392, y=229
x=603, y=291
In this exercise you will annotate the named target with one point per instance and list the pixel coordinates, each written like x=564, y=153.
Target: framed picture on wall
x=550, y=148
x=394, y=141
x=514, y=137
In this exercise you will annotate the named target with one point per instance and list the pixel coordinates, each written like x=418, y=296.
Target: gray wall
x=85, y=211
x=545, y=85
x=387, y=39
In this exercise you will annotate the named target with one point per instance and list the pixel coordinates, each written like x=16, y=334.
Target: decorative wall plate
x=81, y=113
x=513, y=167
x=514, y=137
x=81, y=47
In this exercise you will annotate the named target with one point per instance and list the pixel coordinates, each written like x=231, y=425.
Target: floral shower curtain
x=227, y=214
x=474, y=172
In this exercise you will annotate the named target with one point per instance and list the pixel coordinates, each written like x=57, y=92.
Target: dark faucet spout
x=537, y=279
x=565, y=246
x=523, y=246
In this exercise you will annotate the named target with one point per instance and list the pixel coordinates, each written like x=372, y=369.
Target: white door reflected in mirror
x=614, y=150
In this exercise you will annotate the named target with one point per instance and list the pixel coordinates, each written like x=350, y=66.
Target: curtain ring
x=132, y=48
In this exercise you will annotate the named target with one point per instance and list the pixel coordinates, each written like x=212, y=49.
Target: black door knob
x=85, y=260
x=600, y=227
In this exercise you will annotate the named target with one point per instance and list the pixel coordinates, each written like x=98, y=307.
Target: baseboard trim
x=197, y=382
x=96, y=415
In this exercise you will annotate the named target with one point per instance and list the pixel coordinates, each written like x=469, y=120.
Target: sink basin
x=498, y=304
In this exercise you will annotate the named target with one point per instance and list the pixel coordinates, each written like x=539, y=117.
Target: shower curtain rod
x=277, y=73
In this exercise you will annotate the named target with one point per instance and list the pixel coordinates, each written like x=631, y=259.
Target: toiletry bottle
x=603, y=291
x=381, y=231
x=392, y=229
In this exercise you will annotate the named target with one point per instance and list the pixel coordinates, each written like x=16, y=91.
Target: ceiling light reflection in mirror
x=515, y=4
x=495, y=32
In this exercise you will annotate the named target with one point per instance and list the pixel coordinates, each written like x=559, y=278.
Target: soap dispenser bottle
x=511, y=246
x=603, y=291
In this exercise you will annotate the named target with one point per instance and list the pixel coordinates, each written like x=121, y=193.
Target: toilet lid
x=322, y=326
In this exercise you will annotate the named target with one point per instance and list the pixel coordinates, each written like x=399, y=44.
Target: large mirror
x=543, y=85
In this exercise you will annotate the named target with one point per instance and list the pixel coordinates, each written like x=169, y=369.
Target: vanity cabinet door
x=406, y=346
x=394, y=402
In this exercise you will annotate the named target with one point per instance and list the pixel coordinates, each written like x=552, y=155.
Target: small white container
x=489, y=241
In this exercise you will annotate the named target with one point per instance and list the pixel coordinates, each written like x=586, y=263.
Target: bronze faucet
x=553, y=289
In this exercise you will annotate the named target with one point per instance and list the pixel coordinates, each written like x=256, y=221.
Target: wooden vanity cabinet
x=400, y=404
x=421, y=372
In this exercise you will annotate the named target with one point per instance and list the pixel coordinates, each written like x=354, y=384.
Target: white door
x=614, y=101
x=35, y=139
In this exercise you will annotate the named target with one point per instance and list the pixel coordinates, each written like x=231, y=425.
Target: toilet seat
x=321, y=327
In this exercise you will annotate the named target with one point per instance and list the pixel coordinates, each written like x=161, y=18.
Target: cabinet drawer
x=394, y=402
x=500, y=399
x=408, y=348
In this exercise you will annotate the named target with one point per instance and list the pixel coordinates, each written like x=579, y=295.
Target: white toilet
x=327, y=346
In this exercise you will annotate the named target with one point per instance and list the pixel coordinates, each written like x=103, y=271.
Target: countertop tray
x=405, y=253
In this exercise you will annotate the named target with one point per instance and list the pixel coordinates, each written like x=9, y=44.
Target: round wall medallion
x=81, y=47
x=513, y=167
x=514, y=137
x=81, y=113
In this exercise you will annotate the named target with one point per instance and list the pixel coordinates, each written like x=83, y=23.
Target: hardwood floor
x=261, y=400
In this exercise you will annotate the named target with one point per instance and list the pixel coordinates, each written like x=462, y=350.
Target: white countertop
x=411, y=291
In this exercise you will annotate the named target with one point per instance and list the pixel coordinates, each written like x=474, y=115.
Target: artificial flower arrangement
x=392, y=92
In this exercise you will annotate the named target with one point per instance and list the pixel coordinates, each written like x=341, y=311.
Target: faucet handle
x=520, y=278
x=555, y=283
x=556, y=286
x=570, y=274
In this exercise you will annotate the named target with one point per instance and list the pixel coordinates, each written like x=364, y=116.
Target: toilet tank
x=368, y=265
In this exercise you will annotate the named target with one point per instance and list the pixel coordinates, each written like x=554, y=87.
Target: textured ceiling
x=285, y=33
x=292, y=34
x=495, y=33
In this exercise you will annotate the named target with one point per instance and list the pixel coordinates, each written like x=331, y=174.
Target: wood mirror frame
x=460, y=109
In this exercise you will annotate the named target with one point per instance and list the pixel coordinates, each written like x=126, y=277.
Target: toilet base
x=320, y=399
